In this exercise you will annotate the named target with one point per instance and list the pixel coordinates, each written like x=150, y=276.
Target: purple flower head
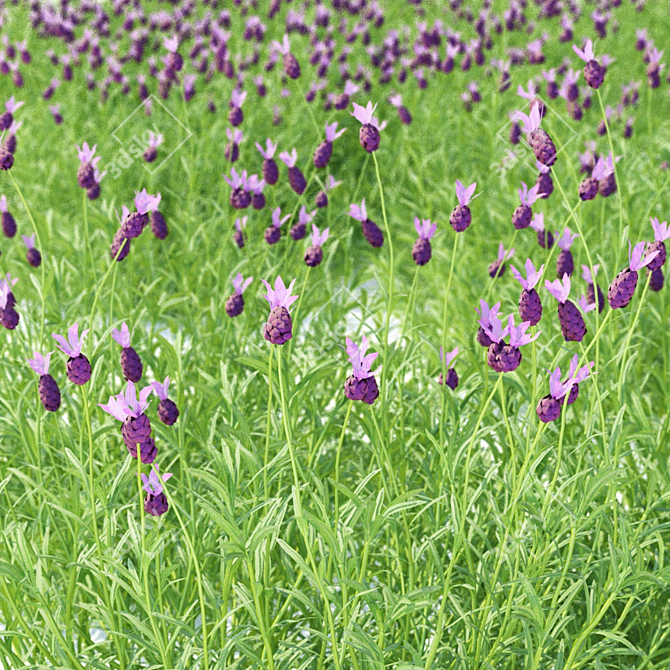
x=318, y=238
x=486, y=313
x=86, y=154
x=542, y=169
x=71, y=346
x=14, y=128
x=304, y=217
x=171, y=43
x=557, y=388
x=587, y=54
x=661, y=232
x=11, y=105
x=567, y=239
x=604, y=167
x=530, y=93
x=331, y=183
x=584, y=305
x=236, y=180
x=494, y=329
x=636, y=259
x=235, y=136
x=122, y=336
x=281, y=296
x=364, y=115
x=529, y=196
x=284, y=47
x=237, y=98
x=29, y=241
x=290, y=159
x=449, y=357
x=517, y=334
x=395, y=100
x=578, y=376
x=463, y=194
x=549, y=76
x=332, y=133
x=359, y=361
x=54, y=109
x=240, y=284
x=560, y=290
x=654, y=56
x=350, y=88
x=256, y=185
x=40, y=364
x=153, y=484
x=240, y=224
x=532, y=276
x=358, y=213
x=530, y=122
x=425, y=230
x=146, y=203
x=276, y=221
x=504, y=255
x=161, y=390
x=269, y=151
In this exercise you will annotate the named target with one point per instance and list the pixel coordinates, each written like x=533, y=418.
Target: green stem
x=337, y=464
x=86, y=236
x=268, y=425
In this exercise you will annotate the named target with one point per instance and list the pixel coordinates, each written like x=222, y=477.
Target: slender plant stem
x=87, y=239
x=337, y=463
x=268, y=425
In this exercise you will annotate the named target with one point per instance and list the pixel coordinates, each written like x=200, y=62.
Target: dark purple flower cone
x=133, y=225
x=372, y=233
x=548, y=409
x=235, y=305
x=514, y=133
x=621, y=290
x=11, y=300
x=93, y=193
x=564, y=263
x=545, y=238
x=588, y=189
x=235, y=116
x=78, y=370
x=509, y=358
x=9, y=318
x=321, y=200
x=232, y=152
x=156, y=505
x=607, y=186
x=150, y=154
x=257, y=201
x=530, y=307
x=405, y=116
x=291, y=66
x=167, y=411
x=148, y=450
x=296, y=179
x=591, y=297
x=522, y=217
x=86, y=175
x=313, y=256
x=493, y=356
x=483, y=338
x=34, y=257
x=545, y=184
x=657, y=280
x=298, y=231
x=175, y=61
x=452, y=379
x=460, y=218
x=497, y=268
x=543, y=147
x=8, y=225
x=131, y=365
x=10, y=144
x=272, y=234
x=361, y=389
x=240, y=199
x=49, y=393
x=158, y=226
x=594, y=73
x=134, y=430
x=659, y=261
x=572, y=322
x=278, y=329
x=573, y=395
x=238, y=238
x=6, y=119
x=421, y=251
x=369, y=137
x=119, y=239
x=270, y=171
x=322, y=154
x=6, y=158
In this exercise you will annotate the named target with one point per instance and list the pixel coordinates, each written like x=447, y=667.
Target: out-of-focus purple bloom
x=276, y=220
x=144, y=202
x=122, y=336
x=359, y=361
x=358, y=213
x=319, y=238
x=332, y=133
x=269, y=151
x=86, y=154
x=636, y=258
x=585, y=306
x=40, y=364
x=447, y=360
x=464, y=194
x=425, y=230
x=240, y=284
x=290, y=159
x=153, y=484
x=566, y=240
x=560, y=289
x=586, y=273
x=71, y=346
x=528, y=196
x=661, y=231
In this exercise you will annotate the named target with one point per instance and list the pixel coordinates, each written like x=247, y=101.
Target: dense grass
x=457, y=531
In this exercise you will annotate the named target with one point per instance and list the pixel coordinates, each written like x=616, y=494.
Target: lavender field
x=335, y=334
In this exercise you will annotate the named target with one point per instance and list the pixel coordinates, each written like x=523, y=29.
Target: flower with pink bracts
x=569, y=316
x=235, y=304
x=342, y=100
x=542, y=145
x=314, y=254
x=150, y=153
x=371, y=230
x=584, y=304
x=239, y=236
x=621, y=290
x=565, y=263
x=497, y=268
x=485, y=314
x=403, y=113
x=549, y=408
x=279, y=327
x=452, y=377
x=88, y=160
x=239, y=196
x=8, y=222
x=269, y=151
x=167, y=410
x=156, y=502
x=370, y=126
x=530, y=306
x=361, y=385
x=661, y=233
x=270, y=170
x=236, y=115
x=7, y=117
x=593, y=291
x=299, y=230
x=48, y=388
x=131, y=364
x=503, y=357
x=594, y=72
x=33, y=255
x=523, y=214
x=291, y=65
x=321, y=199
x=78, y=366
x=528, y=196
x=296, y=179
x=461, y=217
x=324, y=151
x=273, y=232
x=545, y=238
x=9, y=317
x=422, y=251
x=544, y=183
x=133, y=224
x=145, y=202
x=576, y=376
x=603, y=172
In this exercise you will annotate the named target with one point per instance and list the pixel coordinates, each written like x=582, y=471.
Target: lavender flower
x=661, y=233
x=270, y=171
x=542, y=145
x=604, y=173
x=370, y=126
x=8, y=222
x=592, y=289
x=7, y=117
x=570, y=318
x=321, y=199
x=544, y=183
x=256, y=188
x=299, y=230
x=594, y=73
x=325, y=150
x=530, y=305
x=461, y=217
x=78, y=366
x=33, y=256
x=273, y=233
x=279, y=326
x=239, y=196
x=134, y=223
x=621, y=290
x=503, y=357
x=497, y=268
x=131, y=364
x=565, y=263
x=48, y=388
x=485, y=315
x=452, y=376
x=236, y=115
x=167, y=410
x=361, y=385
x=291, y=65
x=549, y=408
x=235, y=304
x=88, y=160
x=545, y=238
x=523, y=214
x=156, y=502
x=403, y=112
x=239, y=235
x=421, y=251
x=314, y=254
x=371, y=230
x=151, y=151
x=296, y=179
x=576, y=376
